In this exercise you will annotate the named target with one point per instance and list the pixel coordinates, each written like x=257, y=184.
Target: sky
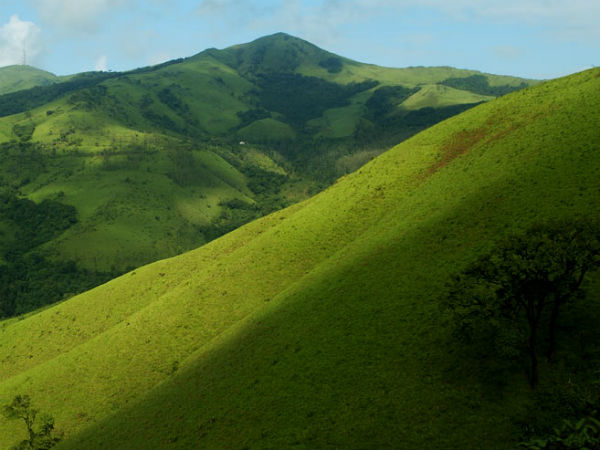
x=529, y=38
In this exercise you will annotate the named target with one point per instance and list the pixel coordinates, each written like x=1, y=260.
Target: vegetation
x=385, y=99
x=332, y=64
x=300, y=98
x=42, y=438
x=143, y=165
x=19, y=77
x=572, y=435
x=526, y=281
x=320, y=325
x=27, y=99
x=481, y=85
x=34, y=223
x=29, y=280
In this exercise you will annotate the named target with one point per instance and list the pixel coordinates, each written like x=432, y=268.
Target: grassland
x=151, y=161
x=319, y=326
x=19, y=77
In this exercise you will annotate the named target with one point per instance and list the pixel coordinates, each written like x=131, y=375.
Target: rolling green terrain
x=321, y=326
x=17, y=78
x=151, y=160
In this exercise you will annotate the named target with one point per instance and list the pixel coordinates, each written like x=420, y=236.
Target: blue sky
x=528, y=38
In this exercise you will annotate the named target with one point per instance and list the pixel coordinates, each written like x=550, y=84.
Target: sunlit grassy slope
x=319, y=326
x=15, y=78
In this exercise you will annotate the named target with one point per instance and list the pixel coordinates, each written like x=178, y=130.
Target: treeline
x=479, y=84
x=25, y=100
x=300, y=98
x=386, y=98
x=385, y=127
x=29, y=280
x=34, y=223
x=32, y=281
x=28, y=99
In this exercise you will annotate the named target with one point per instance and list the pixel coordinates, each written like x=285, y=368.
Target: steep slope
x=151, y=159
x=320, y=325
x=17, y=78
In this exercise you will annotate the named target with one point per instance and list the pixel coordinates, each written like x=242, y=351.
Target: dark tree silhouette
x=527, y=279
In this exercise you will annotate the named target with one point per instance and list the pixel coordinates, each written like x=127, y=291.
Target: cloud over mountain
x=20, y=41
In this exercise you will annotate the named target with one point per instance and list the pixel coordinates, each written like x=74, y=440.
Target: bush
x=572, y=435
x=333, y=65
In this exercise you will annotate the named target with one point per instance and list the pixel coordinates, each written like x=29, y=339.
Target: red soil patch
x=458, y=145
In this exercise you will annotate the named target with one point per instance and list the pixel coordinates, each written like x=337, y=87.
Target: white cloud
x=79, y=16
x=573, y=19
x=19, y=40
x=101, y=63
x=570, y=20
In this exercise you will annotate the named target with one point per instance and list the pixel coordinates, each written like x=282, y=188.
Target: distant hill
x=313, y=93
x=162, y=159
x=20, y=77
x=320, y=326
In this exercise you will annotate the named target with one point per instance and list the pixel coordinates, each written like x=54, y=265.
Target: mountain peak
x=278, y=52
x=280, y=36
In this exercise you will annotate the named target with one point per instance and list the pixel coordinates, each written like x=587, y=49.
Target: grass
x=338, y=122
x=319, y=326
x=436, y=96
x=267, y=129
x=18, y=77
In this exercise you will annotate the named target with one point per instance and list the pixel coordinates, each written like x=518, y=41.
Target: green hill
x=20, y=77
x=151, y=159
x=320, y=326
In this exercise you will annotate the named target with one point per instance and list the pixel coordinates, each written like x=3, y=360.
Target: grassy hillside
x=320, y=326
x=16, y=78
x=151, y=158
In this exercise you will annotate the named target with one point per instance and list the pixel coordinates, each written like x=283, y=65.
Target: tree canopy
x=526, y=280
x=41, y=437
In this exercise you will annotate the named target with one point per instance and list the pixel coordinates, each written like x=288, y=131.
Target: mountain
x=20, y=77
x=149, y=163
x=320, y=326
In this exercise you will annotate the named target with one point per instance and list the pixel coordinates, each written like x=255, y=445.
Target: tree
x=41, y=439
x=527, y=279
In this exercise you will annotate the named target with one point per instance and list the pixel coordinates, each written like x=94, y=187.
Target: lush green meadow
x=321, y=326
